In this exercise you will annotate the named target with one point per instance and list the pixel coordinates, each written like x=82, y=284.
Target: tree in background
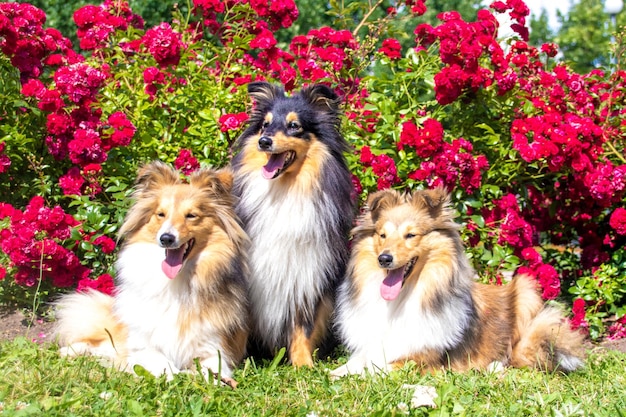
x=585, y=35
x=540, y=31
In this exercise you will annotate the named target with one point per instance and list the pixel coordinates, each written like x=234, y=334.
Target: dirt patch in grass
x=14, y=322
x=619, y=344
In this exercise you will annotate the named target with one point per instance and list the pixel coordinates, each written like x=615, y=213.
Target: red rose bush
x=531, y=151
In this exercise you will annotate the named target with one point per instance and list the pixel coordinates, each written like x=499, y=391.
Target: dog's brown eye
x=409, y=236
x=382, y=235
x=160, y=214
x=191, y=216
x=293, y=125
x=265, y=125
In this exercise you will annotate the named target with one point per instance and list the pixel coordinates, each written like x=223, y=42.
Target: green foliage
x=60, y=14
x=474, y=105
x=582, y=52
x=540, y=31
x=605, y=292
x=182, y=114
x=584, y=33
x=36, y=381
x=22, y=129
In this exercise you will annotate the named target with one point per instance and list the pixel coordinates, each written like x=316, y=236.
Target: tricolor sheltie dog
x=410, y=295
x=294, y=192
x=181, y=275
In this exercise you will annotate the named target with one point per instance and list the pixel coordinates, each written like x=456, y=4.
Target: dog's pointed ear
x=436, y=201
x=381, y=200
x=155, y=174
x=216, y=182
x=436, y=197
x=322, y=97
x=226, y=177
x=263, y=93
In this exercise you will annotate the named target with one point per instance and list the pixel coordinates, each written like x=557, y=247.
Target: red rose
x=106, y=243
x=232, y=121
x=391, y=48
x=186, y=162
x=164, y=44
x=104, y=284
x=72, y=182
x=549, y=280
x=618, y=220
x=86, y=147
x=124, y=130
x=366, y=156
x=263, y=40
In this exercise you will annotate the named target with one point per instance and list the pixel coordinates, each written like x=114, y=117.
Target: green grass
x=34, y=380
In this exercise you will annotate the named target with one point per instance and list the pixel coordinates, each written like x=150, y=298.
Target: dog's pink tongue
x=276, y=162
x=392, y=284
x=173, y=262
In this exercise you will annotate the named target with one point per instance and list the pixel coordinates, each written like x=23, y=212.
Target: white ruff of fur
x=149, y=304
x=379, y=332
x=289, y=254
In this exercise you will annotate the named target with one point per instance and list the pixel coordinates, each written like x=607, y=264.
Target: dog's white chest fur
x=379, y=332
x=150, y=304
x=289, y=255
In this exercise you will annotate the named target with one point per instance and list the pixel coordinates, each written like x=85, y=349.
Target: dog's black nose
x=385, y=260
x=265, y=143
x=167, y=239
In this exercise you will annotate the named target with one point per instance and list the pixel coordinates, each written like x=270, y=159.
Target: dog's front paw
x=217, y=379
x=352, y=367
x=339, y=372
x=75, y=349
x=495, y=367
x=152, y=361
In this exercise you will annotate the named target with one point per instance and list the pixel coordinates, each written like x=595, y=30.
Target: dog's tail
x=85, y=325
x=544, y=338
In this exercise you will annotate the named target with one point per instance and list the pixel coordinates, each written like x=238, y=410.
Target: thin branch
x=367, y=16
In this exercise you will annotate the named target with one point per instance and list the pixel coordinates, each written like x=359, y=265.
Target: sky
x=551, y=7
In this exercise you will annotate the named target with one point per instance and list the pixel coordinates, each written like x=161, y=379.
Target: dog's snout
x=265, y=143
x=167, y=239
x=385, y=260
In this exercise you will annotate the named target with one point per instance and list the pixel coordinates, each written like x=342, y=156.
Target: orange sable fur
x=410, y=295
x=165, y=317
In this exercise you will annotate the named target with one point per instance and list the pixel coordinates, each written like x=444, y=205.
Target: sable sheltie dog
x=410, y=295
x=182, y=286
x=294, y=192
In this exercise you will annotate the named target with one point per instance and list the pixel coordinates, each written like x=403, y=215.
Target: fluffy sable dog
x=182, y=290
x=410, y=295
x=294, y=192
